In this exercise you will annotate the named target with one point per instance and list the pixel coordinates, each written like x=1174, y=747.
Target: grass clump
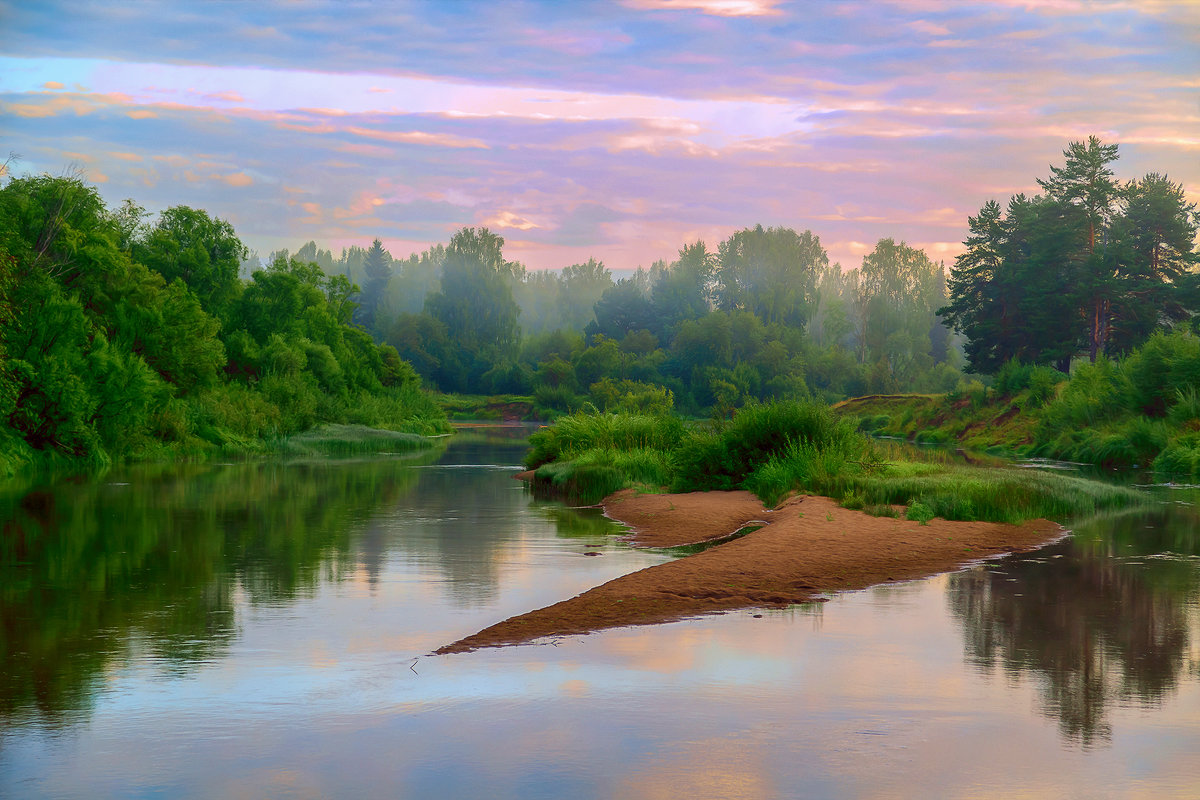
x=919, y=512
x=881, y=510
x=853, y=501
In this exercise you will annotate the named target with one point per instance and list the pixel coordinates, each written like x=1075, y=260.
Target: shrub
x=853, y=500
x=919, y=512
x=1180, y=460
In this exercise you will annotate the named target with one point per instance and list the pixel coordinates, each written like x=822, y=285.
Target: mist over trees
x=763, y=314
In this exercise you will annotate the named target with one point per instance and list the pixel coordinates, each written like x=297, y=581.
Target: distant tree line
x=763, y=315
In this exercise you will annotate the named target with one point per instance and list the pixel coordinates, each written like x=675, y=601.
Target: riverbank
x=806, y=547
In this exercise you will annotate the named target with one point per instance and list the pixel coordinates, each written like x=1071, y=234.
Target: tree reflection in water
x=155, y=557
x=1100, y=620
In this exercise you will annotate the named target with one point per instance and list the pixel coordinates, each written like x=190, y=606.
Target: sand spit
x=808, y=546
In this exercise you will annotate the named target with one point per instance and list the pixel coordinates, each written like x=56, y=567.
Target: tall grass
x=723, y=459
x=573, y=435
x=775, y=449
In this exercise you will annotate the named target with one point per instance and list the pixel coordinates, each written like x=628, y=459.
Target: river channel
x=263, y=629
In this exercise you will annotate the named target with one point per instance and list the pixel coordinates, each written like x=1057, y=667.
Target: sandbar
x=806, y=548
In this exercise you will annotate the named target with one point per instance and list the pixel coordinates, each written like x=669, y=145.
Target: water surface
x=263, y=629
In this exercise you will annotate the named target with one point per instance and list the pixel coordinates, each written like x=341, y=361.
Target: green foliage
x=794, y=431
x=632, y=396
x=1091, y=266
x=550, y=400
x=881, y=510
x=919, y=512
x=854, y=501
x=202, y=252
x=1179, y=461
x=775, y=449
x=571, y=436
x=475, y=303
x=771, y=272
x=106, y=358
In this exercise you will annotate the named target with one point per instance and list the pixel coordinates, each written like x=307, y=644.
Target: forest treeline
x=764, y=315
x=1092, y=267
x=123, y=339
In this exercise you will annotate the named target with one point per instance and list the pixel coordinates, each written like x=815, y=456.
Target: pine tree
x=1086, y=184
x=378, y=271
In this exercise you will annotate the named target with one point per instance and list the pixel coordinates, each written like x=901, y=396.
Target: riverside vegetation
x=121, y=340
x=1139, y=411
x=125, y=340
x=774, y=449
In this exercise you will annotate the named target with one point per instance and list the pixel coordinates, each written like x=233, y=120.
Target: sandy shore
x=808, y=546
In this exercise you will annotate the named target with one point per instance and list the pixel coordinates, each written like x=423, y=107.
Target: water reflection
x=156, y=565
x=156, y=556
x=1101, y=620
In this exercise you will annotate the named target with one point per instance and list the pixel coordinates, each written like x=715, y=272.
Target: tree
x=377, y=268
x=682, y=291
x=770, y=272
x=1154, y=257
x=1013, y=291
x=203, y=252
x=475, y=302
x=902, y=291
x=580, y=286
x=622, y=309
x=1090, y=266
x=1086, y=185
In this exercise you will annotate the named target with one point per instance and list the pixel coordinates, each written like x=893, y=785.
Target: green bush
x=1180, y=460
x=919, y=512
x=756, y=434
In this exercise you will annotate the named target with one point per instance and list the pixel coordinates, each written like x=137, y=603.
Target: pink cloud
x=927, y=27
x=418, y=137
x=718, y=8
x=507, y=219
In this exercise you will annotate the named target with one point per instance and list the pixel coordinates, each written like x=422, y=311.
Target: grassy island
x=773, y=450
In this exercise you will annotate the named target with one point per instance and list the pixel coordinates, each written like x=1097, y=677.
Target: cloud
x=719, y=8
x=927, y=27
x=225, y=97
x=53, y=85
x=418, y=137
x=507, y=219
x=599, y=130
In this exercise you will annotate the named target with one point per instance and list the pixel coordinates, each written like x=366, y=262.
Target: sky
x=616, y=130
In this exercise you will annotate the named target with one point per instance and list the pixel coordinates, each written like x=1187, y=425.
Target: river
x=263, y=629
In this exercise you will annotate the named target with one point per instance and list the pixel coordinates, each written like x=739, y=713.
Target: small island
x=759, y=489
